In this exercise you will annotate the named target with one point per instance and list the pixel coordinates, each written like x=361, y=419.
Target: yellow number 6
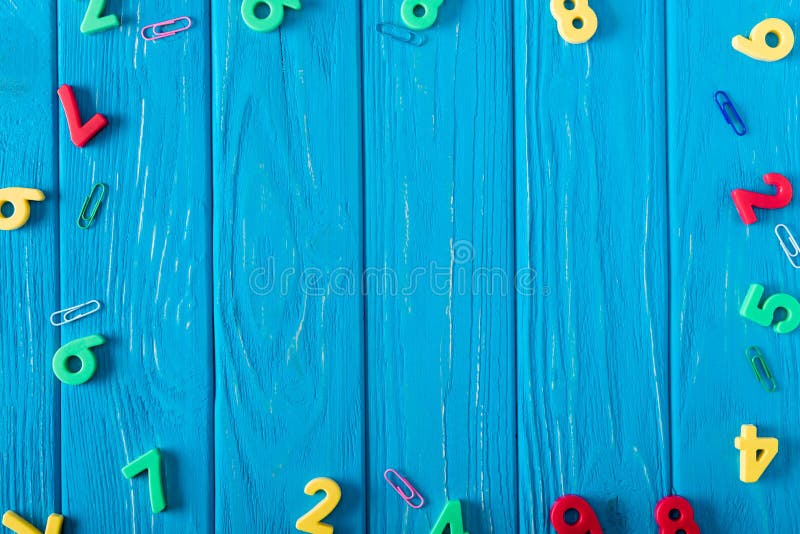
x=576, y=24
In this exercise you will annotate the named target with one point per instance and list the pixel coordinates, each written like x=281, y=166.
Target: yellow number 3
x=576, y=23
x=312, y=521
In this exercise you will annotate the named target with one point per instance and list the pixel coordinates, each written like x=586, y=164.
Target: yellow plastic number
x=756, y=453
x=756, y=46
x=312, y=521
x=18, y=197
x=15, y=523
x=576, y=24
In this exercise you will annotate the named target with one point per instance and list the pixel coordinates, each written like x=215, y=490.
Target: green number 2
x=765, y=314
x=94, y=22
x=451, y=515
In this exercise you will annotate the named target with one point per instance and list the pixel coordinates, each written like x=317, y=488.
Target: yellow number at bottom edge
x=14, y=522
x=566, y=19
x=756, y=45
x=311, y=522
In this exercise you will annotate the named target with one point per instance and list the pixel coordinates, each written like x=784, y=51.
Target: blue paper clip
x=729, y=112
x=761, y=370
x=400, y=34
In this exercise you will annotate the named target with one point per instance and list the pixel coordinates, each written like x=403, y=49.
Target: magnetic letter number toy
x=19, y=198
x=674, y=515
x=755, y=453
x=747, y=200
x=586, y=523
x=756, y=45
x=576, y=24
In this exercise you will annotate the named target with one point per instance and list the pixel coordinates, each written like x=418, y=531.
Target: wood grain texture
x=147, y=259
x=439, y=216
x=29, y=263
x=287, y=238
x=715, y=258
x=591, y=214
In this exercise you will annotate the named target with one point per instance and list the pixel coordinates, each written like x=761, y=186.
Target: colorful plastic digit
x=450, y=516
x=576, y=25
x=756, y=45
x=277, y=10
x=312, y=521
x=755, y=453
x=94, y=21
x=765, y=314
x=587, y=522
x=82, y=349
x=20, y=198
x=426, y=19
x=745, y=200
x=17, y=524
x=674, y=515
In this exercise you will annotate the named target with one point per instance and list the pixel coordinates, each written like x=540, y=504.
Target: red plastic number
x=747, y=200
x=79, y=133
x=679, y=509
x=587, y=522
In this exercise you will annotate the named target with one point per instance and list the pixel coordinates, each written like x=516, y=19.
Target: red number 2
x=587, y=522
x=674, y=514
x=747, y=200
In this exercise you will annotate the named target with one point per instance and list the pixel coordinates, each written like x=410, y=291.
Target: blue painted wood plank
x=29, y=262
x=439, y=280
x=146, y=258
x=592, y=230
x=715, y=258
x=287, y=252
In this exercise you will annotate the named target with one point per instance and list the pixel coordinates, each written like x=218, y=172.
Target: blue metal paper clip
x=729, y=112
x=400, y=34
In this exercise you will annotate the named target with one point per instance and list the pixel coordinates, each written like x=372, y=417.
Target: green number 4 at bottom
x=451, y=515
x=150, y=462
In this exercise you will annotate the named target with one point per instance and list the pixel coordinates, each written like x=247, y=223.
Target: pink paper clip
x=406, y=497
x=155, y=34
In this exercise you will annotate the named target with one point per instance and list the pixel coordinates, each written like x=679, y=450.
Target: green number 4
x=765, y=314
x=451, y=515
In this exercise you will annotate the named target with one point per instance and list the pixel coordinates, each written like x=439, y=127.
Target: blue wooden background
x=506, y=266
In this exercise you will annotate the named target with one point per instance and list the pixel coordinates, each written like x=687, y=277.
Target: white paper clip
x=67, y=313
x=791, y=254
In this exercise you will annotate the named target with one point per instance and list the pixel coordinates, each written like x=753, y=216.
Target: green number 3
x=765, y=314
x=272, y=20
x=423, y=21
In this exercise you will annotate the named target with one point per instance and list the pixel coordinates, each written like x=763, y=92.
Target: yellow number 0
x=312, y=521
x=567, y=19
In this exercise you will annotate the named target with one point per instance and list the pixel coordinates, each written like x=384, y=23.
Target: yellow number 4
x=756, y=453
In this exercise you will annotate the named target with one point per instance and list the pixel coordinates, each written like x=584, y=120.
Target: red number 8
x=587, y=522
x=674, y=514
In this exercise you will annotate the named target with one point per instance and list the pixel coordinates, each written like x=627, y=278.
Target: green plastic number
x=426, y=19
x=451, y=515
x=312, y=520
x=81, y=349
x=270, y=22
x=94, y=22
x=765, y=314
x=150, y=462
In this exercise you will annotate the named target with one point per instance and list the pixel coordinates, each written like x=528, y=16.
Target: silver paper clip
x=400, y=34
x=795, y=250
x=155, y=34
x=78, y=311
x=729, y=112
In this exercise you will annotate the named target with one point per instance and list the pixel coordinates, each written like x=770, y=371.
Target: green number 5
x=765, y=314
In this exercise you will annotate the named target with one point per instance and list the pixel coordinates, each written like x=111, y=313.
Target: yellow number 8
x=567, y=18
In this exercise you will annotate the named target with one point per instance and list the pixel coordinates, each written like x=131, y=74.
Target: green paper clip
x=85, y=221
x=761, y=370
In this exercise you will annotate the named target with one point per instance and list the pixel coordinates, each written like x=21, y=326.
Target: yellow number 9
x=576, y=25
